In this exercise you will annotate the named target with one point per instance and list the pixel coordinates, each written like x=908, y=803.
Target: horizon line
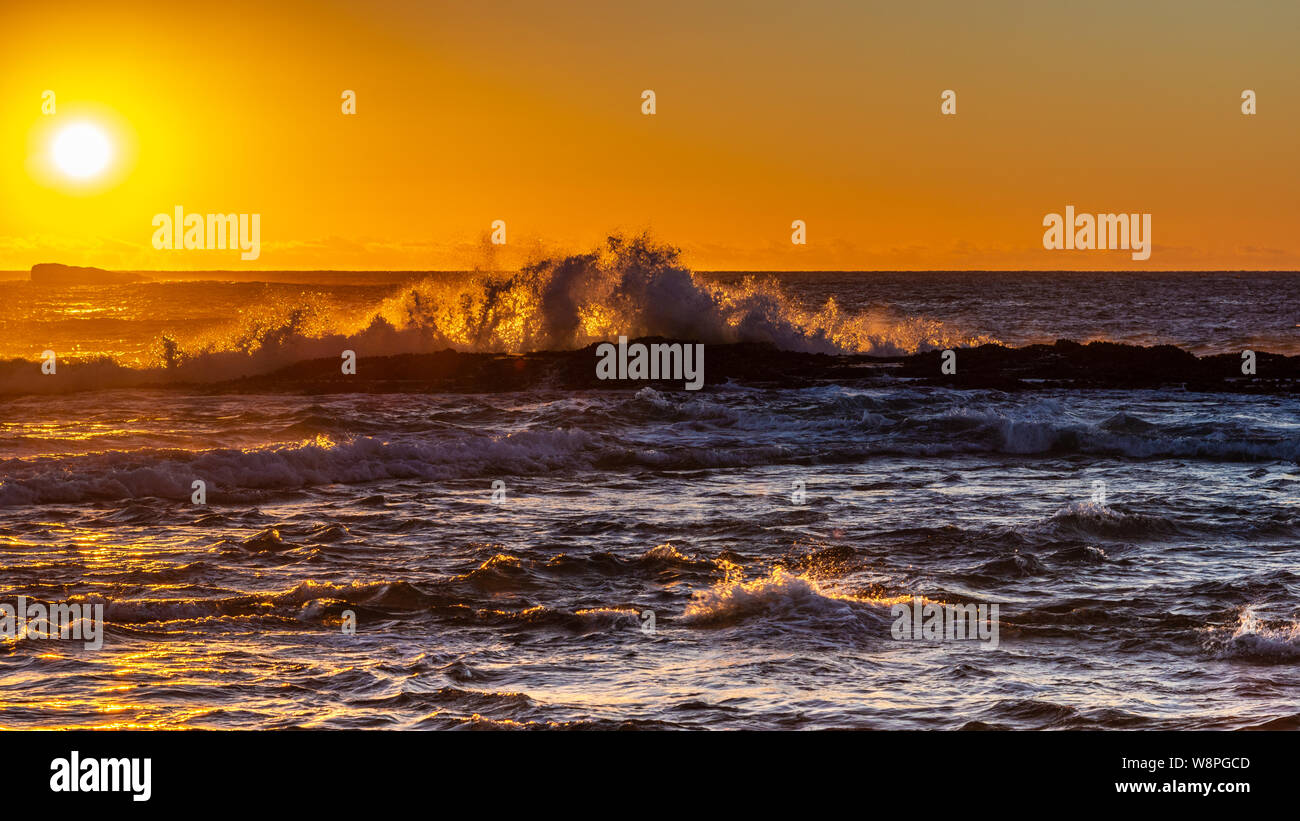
x=27, y=271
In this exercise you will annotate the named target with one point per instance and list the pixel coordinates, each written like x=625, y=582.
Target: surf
x=633, y=286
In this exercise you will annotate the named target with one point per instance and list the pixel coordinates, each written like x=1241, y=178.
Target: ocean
x=635, y=555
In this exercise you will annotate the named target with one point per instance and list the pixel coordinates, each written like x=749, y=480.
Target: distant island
x=54, y=273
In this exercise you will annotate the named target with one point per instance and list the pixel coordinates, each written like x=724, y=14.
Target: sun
x=81, y=151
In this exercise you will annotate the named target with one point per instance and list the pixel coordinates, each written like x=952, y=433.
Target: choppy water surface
x=1171, y=605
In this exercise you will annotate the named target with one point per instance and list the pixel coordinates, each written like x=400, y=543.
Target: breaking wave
x=629, y=286
x=780, y=596
x=168, y=474
x=1254, y=638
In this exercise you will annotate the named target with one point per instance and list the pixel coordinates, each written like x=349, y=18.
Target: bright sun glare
x=82, y=150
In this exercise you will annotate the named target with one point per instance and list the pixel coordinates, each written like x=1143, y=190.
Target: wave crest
x=1254, y=638
x=632, y=286
x=781, y=596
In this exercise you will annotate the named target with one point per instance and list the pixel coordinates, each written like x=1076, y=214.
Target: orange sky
x=767, y=112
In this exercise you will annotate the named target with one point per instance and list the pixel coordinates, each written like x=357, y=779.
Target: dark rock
x=59, y=275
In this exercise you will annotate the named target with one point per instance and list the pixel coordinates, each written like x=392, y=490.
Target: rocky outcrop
x=60, y=275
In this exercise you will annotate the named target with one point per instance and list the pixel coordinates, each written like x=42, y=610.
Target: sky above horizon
x=531, y=113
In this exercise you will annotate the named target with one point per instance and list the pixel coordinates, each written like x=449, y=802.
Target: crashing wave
x=1254, y=638
x=630, y=286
